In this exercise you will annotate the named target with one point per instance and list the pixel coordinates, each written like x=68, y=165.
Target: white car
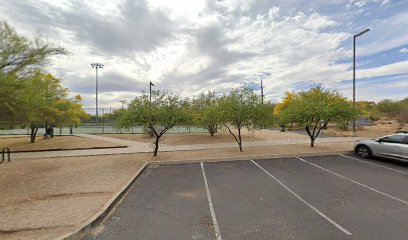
x=393, y=146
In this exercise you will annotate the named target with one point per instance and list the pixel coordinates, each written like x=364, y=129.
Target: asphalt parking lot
x=330, y=197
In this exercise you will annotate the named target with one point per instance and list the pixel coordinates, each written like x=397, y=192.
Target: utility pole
x=96, y=66
x=354, y=75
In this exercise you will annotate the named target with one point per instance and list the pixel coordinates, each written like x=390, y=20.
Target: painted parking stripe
x=378, y=165
x=214, y=218
x=304, y=201
x=353, y=181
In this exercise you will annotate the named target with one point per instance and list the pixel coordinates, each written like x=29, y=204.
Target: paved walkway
x=140, y=147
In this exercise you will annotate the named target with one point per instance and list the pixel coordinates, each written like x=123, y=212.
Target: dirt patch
x=205, y=138
x=18, y=144
x=49, y=197
x=382, y=128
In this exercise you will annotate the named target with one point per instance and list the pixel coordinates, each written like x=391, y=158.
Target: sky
x=193, y=46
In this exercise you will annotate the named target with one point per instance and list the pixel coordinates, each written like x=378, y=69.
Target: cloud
x=390, y=69
x=403, y=50
x=135, y=27
x=218, y=45
x=109, y=81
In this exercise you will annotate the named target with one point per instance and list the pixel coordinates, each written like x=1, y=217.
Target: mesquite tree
x=314, y=109
x=207, y=112
x=244, y=108
x=160, y=115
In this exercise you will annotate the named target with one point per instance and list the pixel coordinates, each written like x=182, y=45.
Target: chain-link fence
x=103, y=124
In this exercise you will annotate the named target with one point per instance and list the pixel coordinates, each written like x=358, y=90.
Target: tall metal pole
x=96, y=66
x=262, y=93
x=96, y=93
x=354, y=74
x=354, y=82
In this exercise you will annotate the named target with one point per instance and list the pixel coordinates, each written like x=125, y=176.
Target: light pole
x=262, y=93
x=354, y=74
x=151, y=84
x=122, y=101
x=96, y=66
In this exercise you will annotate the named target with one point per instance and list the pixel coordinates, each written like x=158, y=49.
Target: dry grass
x=55, y=143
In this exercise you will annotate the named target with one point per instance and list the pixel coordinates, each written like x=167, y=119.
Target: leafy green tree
x=43, y=103
x=20, y=60
x=207, y=112
x=314, y=109
x=68, y=113
x=243, y=108
x=349, y=112
x=12, y=95
x=160, y=115
x=19, y=54
x=368, y=109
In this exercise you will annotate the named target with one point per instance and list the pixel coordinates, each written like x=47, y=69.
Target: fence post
x=103, y=121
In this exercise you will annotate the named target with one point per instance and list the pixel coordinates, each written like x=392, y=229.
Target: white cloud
x=192, y=46
x=390, y=69
x=403, y=50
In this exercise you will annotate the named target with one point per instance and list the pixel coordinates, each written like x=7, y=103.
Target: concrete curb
x=83, y=229
x=254, y=157
x=67, y=149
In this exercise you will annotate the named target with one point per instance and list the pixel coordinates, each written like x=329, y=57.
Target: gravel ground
x=55, y=143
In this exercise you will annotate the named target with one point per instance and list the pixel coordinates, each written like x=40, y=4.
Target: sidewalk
x=140, y=147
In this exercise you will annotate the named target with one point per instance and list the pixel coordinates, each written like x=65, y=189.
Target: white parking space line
x=304, y=201
x=378, y=165
x=214, y=218
x=353, y=181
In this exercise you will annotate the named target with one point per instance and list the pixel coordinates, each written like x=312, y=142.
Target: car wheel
x=363, y=151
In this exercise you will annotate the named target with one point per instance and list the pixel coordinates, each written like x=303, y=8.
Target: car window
x=406, y=140
x=394, y=139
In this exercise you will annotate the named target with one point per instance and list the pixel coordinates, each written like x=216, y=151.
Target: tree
x=163, y=113
x=287, y=100
x=349, y=113
x=20, y=60
x=12, y=94
x=68, y=113
x=207, y=112
x=243, y=108
x=44, y=97
x=315, y=108
x=19, y=54
x=368, y=109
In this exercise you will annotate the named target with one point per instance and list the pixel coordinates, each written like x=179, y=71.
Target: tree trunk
x=156, y=146
x=33, y=134
x=312, y=142
x=240, y=139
